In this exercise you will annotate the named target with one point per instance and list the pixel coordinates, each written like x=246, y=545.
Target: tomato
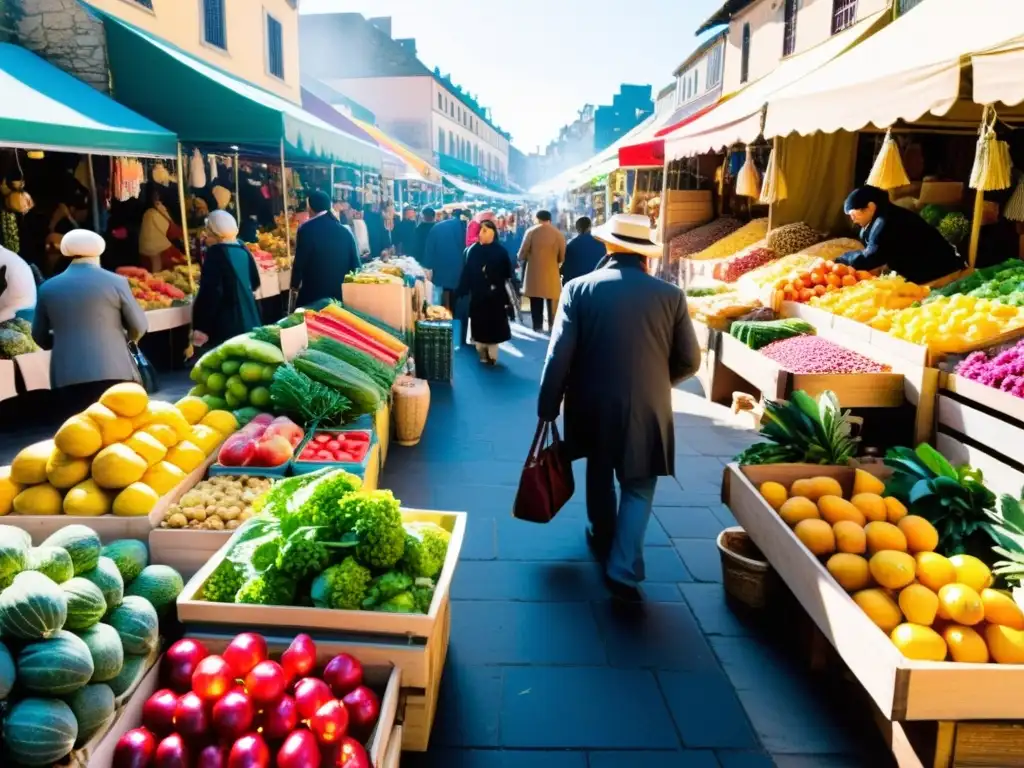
x=325, y=455
x=321, y=438
x=360, y=437
x=333, y=445
x=342, y=456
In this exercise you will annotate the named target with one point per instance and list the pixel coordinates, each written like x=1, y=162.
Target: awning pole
x=184, y=220
x=92, y=195
x=979, y=210
x=238, y=196
x=287, y=221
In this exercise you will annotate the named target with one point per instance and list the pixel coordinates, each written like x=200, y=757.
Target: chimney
x=409, y=44
x=383, y=23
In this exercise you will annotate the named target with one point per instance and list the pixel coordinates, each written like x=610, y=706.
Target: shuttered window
x=844, y=13
x=275, y=47
x=214, y=25
x=789, y=28
x=745, y=55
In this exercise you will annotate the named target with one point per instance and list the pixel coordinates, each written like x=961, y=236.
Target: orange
x=798, y=508
x=893, y=570
x=850, y=571
x=819, y=290
x=920, y=534
x=816, y=487
x=919, y=604
x=806, y=294
x=895, y=511
x=934, y=570
x=834, y=508
x=871, y=505
x=1001, y=609
x=1005, y=644
x=865, y=482
x=850, y=537
x=774, y=493
x=972, y=572
x=882, y=536
x=879, y=607
x=849, y=280
x=961, y=604
x=965, y=645
x=834, y=280
x=917, y=642
x=817, y=536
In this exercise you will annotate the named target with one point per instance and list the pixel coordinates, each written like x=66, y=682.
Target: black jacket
x=487, y=269
x=403, y=237
x=907, y=243
x=420, y=241
x=325, y=251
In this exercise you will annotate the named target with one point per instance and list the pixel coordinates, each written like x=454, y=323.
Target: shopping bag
x=147, y=373
x=546, y=483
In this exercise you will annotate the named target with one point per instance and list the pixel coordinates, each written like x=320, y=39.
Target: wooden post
x=238, y=196
x=979, y=208
x=92, y=195
x=184, y=219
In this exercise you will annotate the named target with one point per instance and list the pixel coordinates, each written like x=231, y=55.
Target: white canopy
x=738, y=120
x=909, y=69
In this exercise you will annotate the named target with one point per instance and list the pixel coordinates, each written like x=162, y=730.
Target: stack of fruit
x=150, y=291
x=265, y=260
x=874, y=301
x=953, y=323
x=179, y=277
x=80, y=625
x=932, y=607
x=120, y=455
x=275, y=245
x=237, y=374
x=823, y=277
x=219, y=504
x=263, y=442
x=779, y=271
x=240, y=708
x=719, y=309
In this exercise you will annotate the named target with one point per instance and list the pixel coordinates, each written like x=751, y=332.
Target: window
x=696, y=87
x=476, y=155
x=714, y=66
x=745, y=55
x=844, y=13
x=275, y=47
x=451, y=143
x=789, y=28
x=214, y=27
x=440, y=103
x=440, y=141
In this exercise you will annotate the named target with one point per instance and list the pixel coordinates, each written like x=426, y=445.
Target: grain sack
x=792, y=238
x=750, y=233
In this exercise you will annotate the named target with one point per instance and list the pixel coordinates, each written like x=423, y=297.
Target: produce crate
x=192, y=609
x=186, y=551
x=217, y=469
x=300, y=467
x=435, y=342
x=391, y=304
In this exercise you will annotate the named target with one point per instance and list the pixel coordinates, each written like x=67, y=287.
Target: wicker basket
x=746, y=575
x=410, y=409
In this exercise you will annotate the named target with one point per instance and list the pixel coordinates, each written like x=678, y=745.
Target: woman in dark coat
x=900, y=238
x=225, y=306
x=487, y=270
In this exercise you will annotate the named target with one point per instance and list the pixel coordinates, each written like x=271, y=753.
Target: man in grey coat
x=622, y=339
x=87, y=316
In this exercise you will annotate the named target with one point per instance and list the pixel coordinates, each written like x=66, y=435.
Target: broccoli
x=383, y=588
x=341, y=586
x=223, y=584
x=426, y=545
x=268, y=588
x=303, y=554
x=423, y=596
x=403, y=602
x=316, y=504
x=274, y=500
x=375, y=520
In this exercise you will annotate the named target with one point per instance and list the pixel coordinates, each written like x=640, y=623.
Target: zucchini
x=360, y=389
x=383, y=375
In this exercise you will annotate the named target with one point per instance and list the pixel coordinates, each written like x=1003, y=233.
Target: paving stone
x=525, y=633
x=786, y=726
x=688, y=522
x=688, y=758
x=564, y=538
x=724, y=515
x=481, y=758
x=469, y=707
x=730, y=759
x=661, y=592
x=663, y=564
x=661, y=636
x=656, y=536
x=701, y=557
x=706, y=710
x=479, y=500
x=707, y=601
x=820, y=761
x=481, y=539
x=528, y=581
x=586, y=708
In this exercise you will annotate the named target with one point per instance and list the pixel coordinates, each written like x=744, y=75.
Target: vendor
x=898, y=238
x=156, y=235
x=225, y=305
x=67, y=215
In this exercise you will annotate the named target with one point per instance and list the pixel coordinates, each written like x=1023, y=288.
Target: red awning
x=686, y=121
x=643, y=155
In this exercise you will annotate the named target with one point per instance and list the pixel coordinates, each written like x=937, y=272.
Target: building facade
x=420, y=107
x=630, y=107
x=699, y=79
x=254, y=41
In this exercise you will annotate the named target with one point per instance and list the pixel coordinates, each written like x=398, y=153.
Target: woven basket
x=746, y=575
x=410, y=409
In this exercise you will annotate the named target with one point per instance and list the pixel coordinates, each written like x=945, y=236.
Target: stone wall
x=62, y=33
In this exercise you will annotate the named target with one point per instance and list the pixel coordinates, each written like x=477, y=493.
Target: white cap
x=82, y=243
x=222, y=224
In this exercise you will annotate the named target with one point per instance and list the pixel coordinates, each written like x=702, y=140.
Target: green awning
x=42, y=107
x=207, y=106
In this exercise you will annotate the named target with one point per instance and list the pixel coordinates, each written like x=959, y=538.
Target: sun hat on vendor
x=630, y=233
x=82, y=244
x=222, y=195
x=222, y=225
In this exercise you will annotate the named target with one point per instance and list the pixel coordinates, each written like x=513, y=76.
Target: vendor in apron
x=156, y=236
x=225, y=306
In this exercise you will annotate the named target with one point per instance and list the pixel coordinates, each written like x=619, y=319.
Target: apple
x=158, y=712
x=347, y=753
x=287, y=429
x=172, y=752
x=266, y=682
x=310, y=695
x=233, y=716
x=190, y=716
x=299, y=750
x=135, y=749
x=262, y=419
x=344, y=673
x=212, y=678
x=250, y=751
x=300, y=657
x=280, y=718
x=364, y=708
x=237, y=451
x=213, y=756
x=245, y=652
x=330, y=722
x=272, y=452
x=180, y=663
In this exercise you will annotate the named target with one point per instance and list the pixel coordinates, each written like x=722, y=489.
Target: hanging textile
x=127, y=179
x=1014, y=210
x=213, y=169
x=197, y=170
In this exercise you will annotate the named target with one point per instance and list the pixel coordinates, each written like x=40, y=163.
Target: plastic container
x=300, y=467
x=282, y=470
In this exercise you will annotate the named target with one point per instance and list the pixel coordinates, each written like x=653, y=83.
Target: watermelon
x=130, y=557
x=13, y=558
x=160, y=584
x=54, y=562
x=32, y=608
x=132, y=671
x=6, y=672
x=107, y=577
x=55, y=667
x=93, y=707
x=9, y=533
x=40, y=732
x=136, y=622
x=107, y=652
x=86, y=604
x=82, y=544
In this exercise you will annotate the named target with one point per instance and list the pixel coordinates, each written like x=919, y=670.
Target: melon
x=40, y=732
x=167, y=436
x=55, y=667
x=8, y=490
x=159, y=584
x=132, y=671
x=137, y=500
x=93, y=707
x=107, y=577
x=65, y=471
x=32, y=608
x=107, y=651
x=192, y=408
x=54, y=562
x=79, y=436
x=86, y=603
x=129, y=555
x=163, y=477
x=87, y=500
x=29, y=466
x=127, y=399
x=6, y=672
x=147, y=446
x=39, y=500
x=118, y=466
x=82, y=544
x=136, y=622
x=9, y=533
x=13, y=558
x=113, y=428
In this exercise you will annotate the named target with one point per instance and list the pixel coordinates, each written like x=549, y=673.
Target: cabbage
x=14, y=343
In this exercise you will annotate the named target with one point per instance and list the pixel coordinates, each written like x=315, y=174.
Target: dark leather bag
x=546, y=483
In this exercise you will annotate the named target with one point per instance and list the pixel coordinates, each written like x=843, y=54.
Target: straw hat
x=631, y=232
x=82, y=244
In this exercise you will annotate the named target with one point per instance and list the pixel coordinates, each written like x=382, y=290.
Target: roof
x=724, y=14
x=702, y=48
x=324, y=92
x=666, y=90
x=46, y=108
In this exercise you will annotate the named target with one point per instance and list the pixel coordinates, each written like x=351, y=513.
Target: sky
x=535, y=63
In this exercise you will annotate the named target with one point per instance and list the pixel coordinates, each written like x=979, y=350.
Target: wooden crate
x=420, y=703
x=192, y=609
x=391, y=304
x=903, y=689
x=382, y=422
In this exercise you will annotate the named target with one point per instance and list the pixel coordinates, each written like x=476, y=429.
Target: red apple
x=310, y=695
x=212, y=678
x=172, y=752
x=300, y=657
x=300, y=750
x=347, y=753
x=237, y=451
x=330, y=722
x=180, y=663
x=190, y=716
x=343, y=673
x=158, y=712
x=272, y=452
x=250, y=751
x=266, y=682
x=262, y=419
x=279, y=718
x=213, y=756
x=245, y=652
x=364, y=708
x=135, y=749
x=233, y=716
x=287, y=429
